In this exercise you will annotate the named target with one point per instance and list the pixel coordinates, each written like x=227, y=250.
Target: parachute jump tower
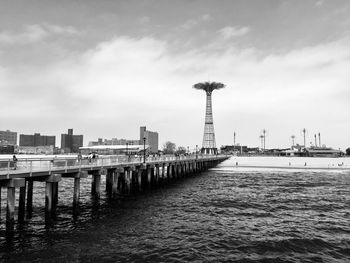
x=209, y=145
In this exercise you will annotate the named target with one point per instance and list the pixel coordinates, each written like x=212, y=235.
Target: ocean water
x=221, y=215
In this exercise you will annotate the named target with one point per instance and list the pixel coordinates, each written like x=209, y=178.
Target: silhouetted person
x=14, y=159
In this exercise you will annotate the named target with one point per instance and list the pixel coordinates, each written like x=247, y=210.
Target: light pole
x=304, y=133
x=315, y=140
x=127, y=151
x=319, y=139
x=196, y=152
x=264, y=134
x=234, y=138
x=262, y=141
x=144, y=149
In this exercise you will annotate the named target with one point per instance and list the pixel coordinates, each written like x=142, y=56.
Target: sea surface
x=226, y=214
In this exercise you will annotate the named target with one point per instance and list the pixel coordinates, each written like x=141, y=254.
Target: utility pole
x=319, y=139
x=315, y=140
x=144, y=150
x=262, y=141
x=264, y=137
x=304, y=132
x=293, y=137
x=234, y=138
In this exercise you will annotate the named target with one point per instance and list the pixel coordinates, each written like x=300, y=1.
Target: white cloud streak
x=35, y=33
x=232, y=32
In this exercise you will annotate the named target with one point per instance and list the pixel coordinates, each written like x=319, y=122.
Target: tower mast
x=209, y=144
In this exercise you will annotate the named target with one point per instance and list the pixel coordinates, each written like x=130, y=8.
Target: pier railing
x=31, y=165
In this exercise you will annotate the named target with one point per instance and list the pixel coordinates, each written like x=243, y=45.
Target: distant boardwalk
x=124, y=176
x=289, y=163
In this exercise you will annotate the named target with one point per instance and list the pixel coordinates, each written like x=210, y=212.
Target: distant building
x=231, y=149
x=49, y=149
x=36, y=140
x=151, y=139
x=151, y=142
x=8, y=138
x=113, y=149
x=98, y=142
x=114, y=141
x=7, y=149
x=70, y=143
x=323, y=152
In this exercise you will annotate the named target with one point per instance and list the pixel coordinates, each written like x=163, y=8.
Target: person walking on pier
x=14, y=159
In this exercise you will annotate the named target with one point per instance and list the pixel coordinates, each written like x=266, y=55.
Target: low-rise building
x=36, y=150
x=151, y=139
x=70, y=143
x=113, y=149
x=36, y=140
x=8, y=137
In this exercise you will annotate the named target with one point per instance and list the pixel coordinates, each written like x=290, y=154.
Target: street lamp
x=196, y=152
x=127, y=152
x=144, y=149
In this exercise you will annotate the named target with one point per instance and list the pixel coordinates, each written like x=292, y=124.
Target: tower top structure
x=209, y=144
x=208, y=87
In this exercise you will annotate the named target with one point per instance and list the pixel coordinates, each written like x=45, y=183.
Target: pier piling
x=29, y=198
x=96, y=184
x=21, y=203
x=10, y=210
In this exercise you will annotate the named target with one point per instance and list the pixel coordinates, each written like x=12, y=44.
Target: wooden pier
x=124, y=176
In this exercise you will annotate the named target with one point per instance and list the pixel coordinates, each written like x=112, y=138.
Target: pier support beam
x=169, y=172
x=22, y=203
x=76, y=194
x=96, y=184
x=51, y=193
x=10, y=210
x=109, y=181
x=30, y=198
x=133, y=179
x=175, y=171
x=54, y=196
x=115, y=191
x=11, y=200
x=76, y=191
x=117, y=182
x=139, y=179
x=163, y=174
x=156, y=177
x=149, y=177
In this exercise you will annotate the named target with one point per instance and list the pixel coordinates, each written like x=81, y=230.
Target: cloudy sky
x=105, y=68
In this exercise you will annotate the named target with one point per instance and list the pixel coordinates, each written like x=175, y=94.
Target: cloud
x=35, y=33
x=122, y=83
x=144, y=20
x=232, y=32
x=189, y=24
x=319, y=3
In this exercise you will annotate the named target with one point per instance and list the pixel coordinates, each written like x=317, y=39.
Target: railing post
x=31, y=167
x=8, y=168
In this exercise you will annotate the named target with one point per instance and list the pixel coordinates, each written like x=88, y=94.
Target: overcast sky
x=105, y=68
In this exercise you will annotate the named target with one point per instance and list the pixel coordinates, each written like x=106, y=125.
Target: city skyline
x=118, y=64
